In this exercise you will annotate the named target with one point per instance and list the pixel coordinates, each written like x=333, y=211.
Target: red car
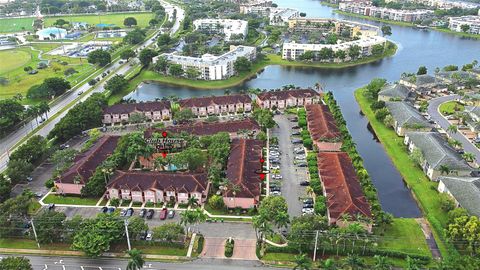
x=163, y=214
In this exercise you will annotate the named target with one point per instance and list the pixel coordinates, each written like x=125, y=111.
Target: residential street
x=433, y=111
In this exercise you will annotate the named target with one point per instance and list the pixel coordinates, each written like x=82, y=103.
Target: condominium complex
x=293, y=50
x=442, y=4
x=387, y=13
x=277, y=16
x=212, y=67
x=224, y=26
x=473, y=22
x=338, y=26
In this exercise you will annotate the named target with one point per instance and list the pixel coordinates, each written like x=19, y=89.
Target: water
x=416, y=47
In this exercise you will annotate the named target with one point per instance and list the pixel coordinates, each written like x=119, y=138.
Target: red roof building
x=85, y=164
x=242, y=171
x=216, y=105
x=155, y=111
x=341, y=187
x=322, y=127
x=157, y=187
x=287, y=98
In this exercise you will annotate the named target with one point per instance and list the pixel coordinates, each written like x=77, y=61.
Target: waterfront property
x=465, y=191
x=406, y=118
x=322, y=127
x=235, y=128
x=424, y=84
x=395, y=92
x=341, y=188
x=438, y=157
x=158, y=187
x=217, y=105
x=121, y=113
x=84, y=165
x=287, y=98
x=212, y=67
x=342, y=28
x=457, y=78
x=232, y=29
x=243, y=169
x=387, y=13
x=469, y=24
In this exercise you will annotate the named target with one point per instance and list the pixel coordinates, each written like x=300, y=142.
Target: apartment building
x=153, y=111
x=473, y=23
x=322, y=127
x=225, y=26
x=212, y=67
x=217, y=105
x=338, y=26
x=287, y=98
x=387, y=13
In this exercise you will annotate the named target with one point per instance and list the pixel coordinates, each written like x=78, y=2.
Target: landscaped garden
x=451, y=107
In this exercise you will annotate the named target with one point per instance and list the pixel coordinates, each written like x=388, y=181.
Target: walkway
x=433, y=111
x=432, y=245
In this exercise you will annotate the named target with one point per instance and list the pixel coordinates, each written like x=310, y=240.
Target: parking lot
x=292, y=175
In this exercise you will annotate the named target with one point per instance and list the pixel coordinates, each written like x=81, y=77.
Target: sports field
x=15, y=25
x=116, y=19
x=12, y=59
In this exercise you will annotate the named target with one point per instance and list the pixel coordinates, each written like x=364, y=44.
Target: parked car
x=295, y=127
x=163, y=213
x=38, y=194
x=80, y=93
x=171, y=214
x=111, y=210
x=274, y=167
x=143, y=235
x=297, y=141
x=123, y=212
x=149, y=236
x=307, y=210
x=104, y=209
x=150, y=213
x=300, y=157
x=308, y=200
x=29, y=178
x=275, y=188
x=293, y=119
x=295, y=133
x=304, y=183
x=275, y=161
x=277, y=176
x=129, y=212
x=307, y=205
x=276, y=193
x=142, y=213
x=51, y=206
x=302, y=164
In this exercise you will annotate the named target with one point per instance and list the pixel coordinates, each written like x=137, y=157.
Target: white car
x=149, y=236
x=274, y=167
x=277, y=176
x=307, y=210
x=276, y=193
x=300, y=157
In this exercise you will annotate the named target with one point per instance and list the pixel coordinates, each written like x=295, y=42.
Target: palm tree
x=302, y=262
x=353, y=262
x=470, y=157
x=328, y=264
x=136, y=260
x=381, y=263
x=44, y=108
x=192, y=201
x=444, y=169
x=452, y=129
x=32, y=111
x=309, y=191
x=265, y=229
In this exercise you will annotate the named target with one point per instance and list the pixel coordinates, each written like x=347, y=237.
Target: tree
x=116, y=84
x=49, y=226
x=56, y=86
x=417, y=156
x=137, y=118
x=412, y=264
x=381, y=263
x=444, y=169
x=136, y=225
x=192, y=217
x=452, y=129
x=465, y=28
x=27, y=69
x=422, y=70
x=100, y=57
x=163, y=40
x=169, y=232
x=386, y=30
x=127, y=54
x=353, y=262
x=190, y=158
x=264, y=118
x=5, y=188
x=302, y=262
x=146, y=56
x=18, y=170
x=274, y=209
x=340, y=54
x=242, y=64
x=161, y=65
x=183, y=115
x=354, y=51
x=32, y=151
x=153, y=22
x=446, y=202
x=192, y=73
x=175, y=70
x=130, y=21
x=10, y=114
x=470, y=157
x=136, y=36
x=136, y=260
x=15, y=263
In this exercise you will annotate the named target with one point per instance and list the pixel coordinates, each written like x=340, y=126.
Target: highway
x=79, y=94
x=80, y=263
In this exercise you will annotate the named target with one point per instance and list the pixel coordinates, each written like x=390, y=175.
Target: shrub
x=316, y=186
x=115, y=202
x=49, y=183
x=381, y=114
x=377, y=105
x=229, y=248
x=320, y=207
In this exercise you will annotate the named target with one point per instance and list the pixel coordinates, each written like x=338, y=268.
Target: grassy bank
x=108, y=18
x=423, y=189
x=462, y=34
x=56, y=199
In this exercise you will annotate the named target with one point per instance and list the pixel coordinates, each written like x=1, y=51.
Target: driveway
x=433, y=111
x=292, y=175
x=214, y=247
x=245, y=249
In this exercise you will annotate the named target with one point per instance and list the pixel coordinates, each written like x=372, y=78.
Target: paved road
x=9, y=141
x=74, y=263
x=292, y=175
x=433, y=111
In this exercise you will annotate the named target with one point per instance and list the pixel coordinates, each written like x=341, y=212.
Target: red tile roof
x=147, y=180
x=206, y=128
x=137, y=107
x=214, y=100
x=243, y=166
x=343, y=191
x=286, y=94
x=321, y=124
x=84, y=164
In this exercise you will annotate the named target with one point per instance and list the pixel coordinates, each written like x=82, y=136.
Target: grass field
x=451, y=107
x=52, y=198
x=116, y=19
x=13, y=59
x=15, y=24
x=424, y=190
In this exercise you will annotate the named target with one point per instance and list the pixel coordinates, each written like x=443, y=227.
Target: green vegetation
x=11, y=25
x=462, y=34
x=451, y=107
x=374, y=18
x=59, y=199
x=114, y=18
x=423, y=189
x=13, y=59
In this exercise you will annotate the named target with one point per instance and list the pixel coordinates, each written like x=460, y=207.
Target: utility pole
x=315, y=251
x=128, y=237
x=34, y=232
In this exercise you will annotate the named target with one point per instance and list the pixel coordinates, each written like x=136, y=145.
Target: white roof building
x=473, y=22
x=226, y=26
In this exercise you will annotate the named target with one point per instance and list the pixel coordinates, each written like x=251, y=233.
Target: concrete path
x=432, y=244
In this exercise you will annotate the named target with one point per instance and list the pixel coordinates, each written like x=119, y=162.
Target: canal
x=416, y=47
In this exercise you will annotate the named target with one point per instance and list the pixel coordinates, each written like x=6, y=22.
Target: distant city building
x=387, y=13
x=225, y=26
x=212, y=67
x=473, y=23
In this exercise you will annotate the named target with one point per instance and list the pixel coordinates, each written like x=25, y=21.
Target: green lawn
x=115, y=18
x=18, y=243
x=424, y=190
x=13, y=59
x=52, y=198
x=10, y=25
x=451, y=107
x=405, y=235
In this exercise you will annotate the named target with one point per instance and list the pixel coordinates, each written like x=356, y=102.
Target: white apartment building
x=277, y=16
x=445, y=4
x=293, y=50
x=212, y=67
x=387, y=13
x=225, y=26
x=455, y=24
